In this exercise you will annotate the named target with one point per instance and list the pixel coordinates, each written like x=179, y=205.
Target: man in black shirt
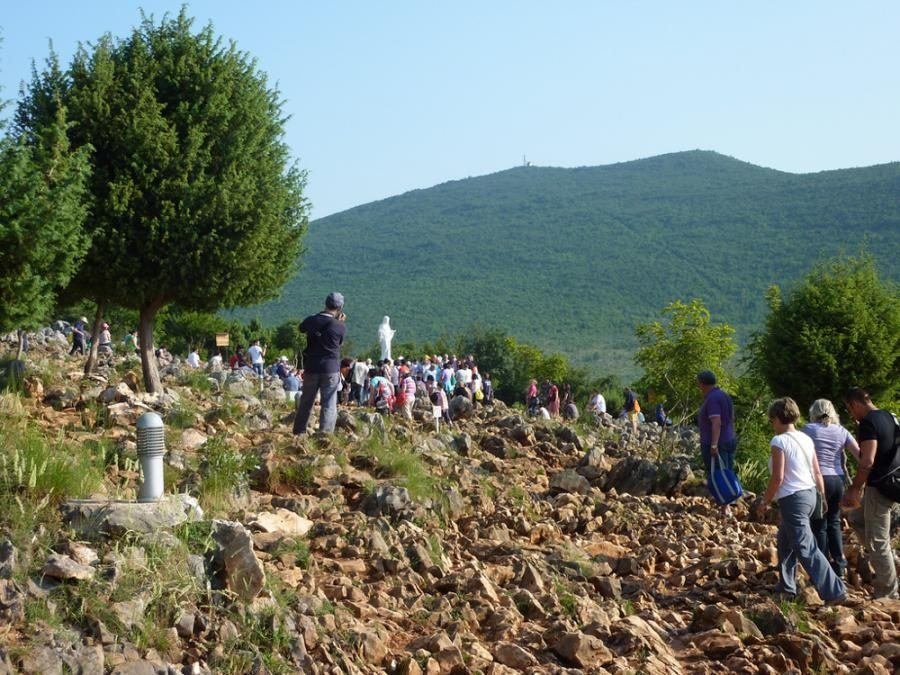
x=877, y=457
x=322, y=364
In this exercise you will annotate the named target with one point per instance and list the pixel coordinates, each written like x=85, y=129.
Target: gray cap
x=706, y=377
x=334, y=301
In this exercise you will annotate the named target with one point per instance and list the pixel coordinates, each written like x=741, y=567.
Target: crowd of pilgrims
x=386, y=385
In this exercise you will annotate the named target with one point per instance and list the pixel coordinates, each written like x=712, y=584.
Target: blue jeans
x=313, y=383
x=726, y=454
x=828, y=529
x=258, y=369
x=796, y=543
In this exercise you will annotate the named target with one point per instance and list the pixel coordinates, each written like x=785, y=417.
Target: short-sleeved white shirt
x=798, y=451
x=256, y=354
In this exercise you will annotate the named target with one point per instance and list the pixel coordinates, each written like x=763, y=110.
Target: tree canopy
x=674, y=350
x=42, y=212
x=838, y=328
x=194, y=197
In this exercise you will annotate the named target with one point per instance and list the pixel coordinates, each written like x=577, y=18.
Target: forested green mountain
x=572, y=259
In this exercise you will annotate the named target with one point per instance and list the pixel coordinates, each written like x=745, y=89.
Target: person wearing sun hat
x=322, y=364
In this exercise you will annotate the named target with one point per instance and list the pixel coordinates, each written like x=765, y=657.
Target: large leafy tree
x=674, y=350
x=195, y=199
x=838, y=328
x=42, y=211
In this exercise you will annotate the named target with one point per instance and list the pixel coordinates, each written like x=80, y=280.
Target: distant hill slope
x=572, y=259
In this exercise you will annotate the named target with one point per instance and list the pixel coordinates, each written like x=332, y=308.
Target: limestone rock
x=8, y=557
x=244, y=573
x=12, y=603
x=85, y=660
x=62, y=567
x=111, y=518
x=634, y=475
x=569, y=481
x=41, y=661
x=388, y=500
x=130, y=612
x=716, y=644
x=282, y=521
x=582, y=650
x=192, y=439
x=512, y=655
x=461, y=408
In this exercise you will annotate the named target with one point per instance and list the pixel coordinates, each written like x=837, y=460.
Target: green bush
x=223, y=474
x=672, y=353
x=839, y=328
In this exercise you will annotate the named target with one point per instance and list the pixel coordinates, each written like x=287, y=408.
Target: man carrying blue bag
x=718, y=442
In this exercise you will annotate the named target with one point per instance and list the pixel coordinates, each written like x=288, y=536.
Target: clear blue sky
x=390, y=96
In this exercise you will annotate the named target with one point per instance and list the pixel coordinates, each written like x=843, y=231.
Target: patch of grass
x=228, y=410
x=517, y=495
x=296, y=547
x=435, y=550
x=38, y=471
x=565, y=597
x=795, y=611
x=196, y=380
x=182, y=415
x=197, y=536
x=223, y=474
x=295, y=475
x=628, y=608
x=579, y=560
x=403, y=465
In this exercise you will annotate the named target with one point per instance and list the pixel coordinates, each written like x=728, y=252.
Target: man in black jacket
x=322, y=364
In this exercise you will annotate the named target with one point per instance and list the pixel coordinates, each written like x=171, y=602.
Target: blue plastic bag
x=723, y=483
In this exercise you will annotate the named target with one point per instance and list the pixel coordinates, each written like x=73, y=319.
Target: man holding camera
x=322, y=364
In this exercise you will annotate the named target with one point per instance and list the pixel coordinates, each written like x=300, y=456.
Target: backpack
x=889, y=484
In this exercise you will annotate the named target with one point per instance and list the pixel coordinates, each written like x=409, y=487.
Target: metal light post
x=151, y=444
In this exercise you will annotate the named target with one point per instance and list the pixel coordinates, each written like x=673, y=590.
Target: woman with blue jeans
x=830, y=439
x=795, y=479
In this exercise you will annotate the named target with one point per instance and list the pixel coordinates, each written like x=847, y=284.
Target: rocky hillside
x=501, y=545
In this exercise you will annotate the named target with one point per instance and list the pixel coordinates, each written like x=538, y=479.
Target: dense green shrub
x=840, y=327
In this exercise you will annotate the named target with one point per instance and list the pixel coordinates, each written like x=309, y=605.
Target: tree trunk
x=145, y=337
x=21, y=346
x=95, y=338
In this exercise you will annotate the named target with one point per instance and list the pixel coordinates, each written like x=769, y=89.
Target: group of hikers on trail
x=810, y=484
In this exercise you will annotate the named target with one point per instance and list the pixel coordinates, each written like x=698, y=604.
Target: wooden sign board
x=221, y=339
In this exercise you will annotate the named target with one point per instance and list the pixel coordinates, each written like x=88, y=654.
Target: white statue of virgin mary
x=385, y=335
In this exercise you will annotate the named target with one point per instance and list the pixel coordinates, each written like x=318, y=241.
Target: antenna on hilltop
x=525, y=161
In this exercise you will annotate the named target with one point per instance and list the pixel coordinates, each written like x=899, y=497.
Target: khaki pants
x=872, y=524
x=408, y=406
